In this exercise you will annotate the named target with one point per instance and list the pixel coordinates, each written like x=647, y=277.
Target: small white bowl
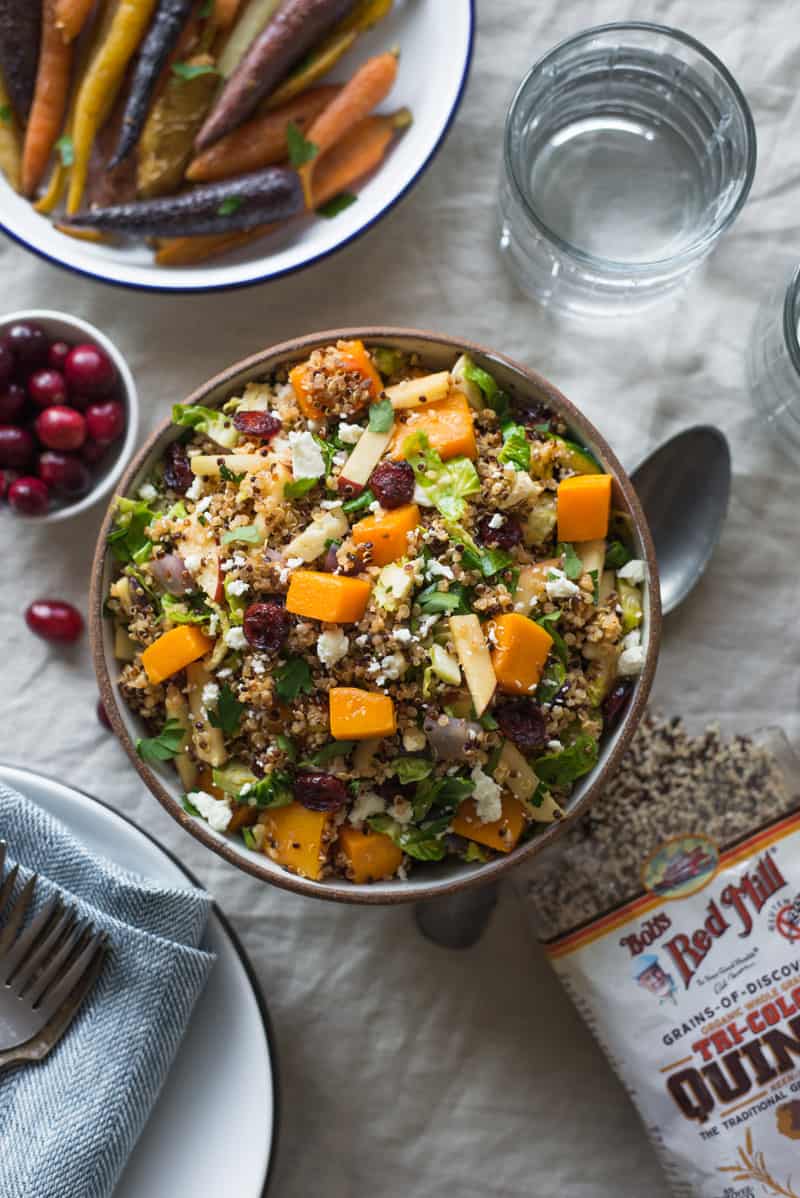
x=62, y=326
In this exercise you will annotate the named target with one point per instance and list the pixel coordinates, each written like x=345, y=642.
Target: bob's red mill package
x=671, y=913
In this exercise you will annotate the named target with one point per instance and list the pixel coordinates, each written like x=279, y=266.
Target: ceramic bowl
x=425, y=882
x=62, y=326
x=435, y=39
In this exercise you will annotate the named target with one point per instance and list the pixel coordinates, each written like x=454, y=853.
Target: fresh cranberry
x=102, y=715
x=60, y=427
x=320, y=792
x=93, y=451
x=47, y=387
x=27, y=343
x=6, y=363
x=522, y=722
x=7, y=477
x=177, y=470
x=28, y=496
x=57, y=355
x=89, y=370
x=505, y=536
x=257, y=424
x=615, y=703
x=392, y=484
x=12, y=402
x=105, y=421
x=54, y=620
x=16, y=446
x=64, y=473
x=266, y=626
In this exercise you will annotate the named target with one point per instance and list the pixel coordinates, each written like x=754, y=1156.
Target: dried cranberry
x=614, y=704
x=266, y=626
x=177, y=470
x=505, y=536
x=522, y=722
x=320, y=792
x=392, y=484
x=257, y=424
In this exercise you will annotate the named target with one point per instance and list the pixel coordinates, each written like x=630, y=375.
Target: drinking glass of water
x=773, y=364
x=628, y=150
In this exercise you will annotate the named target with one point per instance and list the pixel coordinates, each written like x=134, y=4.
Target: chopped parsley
x=573, y=566
x=360, y=503
x=455, y=601
x=163, y=747
x=299, y=487
x=228, y=476
x=617, y=556
x=293, y=679
x=228, y=712
x=548, y=623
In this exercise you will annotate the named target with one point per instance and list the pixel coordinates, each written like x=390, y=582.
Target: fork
x=46, y=970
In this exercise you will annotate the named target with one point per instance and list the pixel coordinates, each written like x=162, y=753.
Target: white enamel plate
x=220, y=1082
x=435, y=41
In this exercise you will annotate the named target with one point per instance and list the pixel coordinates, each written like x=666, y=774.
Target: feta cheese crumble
x=414, y=739
x=496, y=521
x=365, y=805
x=421, y=496
x=192, y=562
x=437, y=569
x=402, y=811
x=235, y=638
x=196, y=489
x=350, y=433
x=203, y=504
x=332, y=646
x=147, y=492
x=307, y=459
x=488, y=805
x=394, y=665
x=210, y=693
x=631, y=661
x=238, y=587
x=558, y=586
x=632, y=571
x=217, y=813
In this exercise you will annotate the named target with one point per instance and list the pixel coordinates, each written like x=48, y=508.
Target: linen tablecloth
x=408, y=1070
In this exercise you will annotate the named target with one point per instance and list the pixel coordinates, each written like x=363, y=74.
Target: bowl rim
x=107, y=480
x=100, y=276
x=334, y=889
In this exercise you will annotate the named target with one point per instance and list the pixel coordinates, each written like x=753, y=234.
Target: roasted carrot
x=71, y=16
x=49, y=100
x=159, y=42
x=370, y=84
x=358, y=153
x=10, y=152
x=294, y=30
x=260, y=141
x=324, y=57
x=225, y=13
x=100, y=85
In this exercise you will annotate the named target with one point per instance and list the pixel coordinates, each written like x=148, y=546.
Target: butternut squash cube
x=173, y=651
x=388, y=533
x=298, y=838
x=502, y=835
x=449, y=426
x=520, y=651
x=360, y=715
x=329, y=597
x=584, y=507
x=370, y=856
x=354, y=358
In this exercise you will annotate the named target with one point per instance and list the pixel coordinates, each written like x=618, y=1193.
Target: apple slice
x=413, y=392
x=473, y=653
x=369, y=450
x=209, y=577
x=312, y=541
x=209, y=743
x=531, y=584
x=208, y=465
x=177, y=708
x=513, y=772
x=592, y=555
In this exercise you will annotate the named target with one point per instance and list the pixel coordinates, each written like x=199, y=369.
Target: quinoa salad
x=375, y=616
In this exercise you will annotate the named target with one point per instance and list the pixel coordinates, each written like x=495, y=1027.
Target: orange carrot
x=261, y=141
x=49, y=100
x=71, y=16
x=225, y=13
x=359, y=152
x=370, y=84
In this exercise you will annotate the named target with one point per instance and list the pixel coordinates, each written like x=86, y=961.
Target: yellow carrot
x=71, y=16
x=10, y=156
x=186, y=251
x=101, y=84
x=49, y=100
x=225, y=13
x=371, y=83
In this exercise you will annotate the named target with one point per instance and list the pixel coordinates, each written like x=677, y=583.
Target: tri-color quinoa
x=375, y=615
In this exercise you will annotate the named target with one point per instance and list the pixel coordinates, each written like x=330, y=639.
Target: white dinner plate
x=435, y=39
x=212, y=1131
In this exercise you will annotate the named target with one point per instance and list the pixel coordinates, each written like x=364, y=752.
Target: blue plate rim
x=99, y=277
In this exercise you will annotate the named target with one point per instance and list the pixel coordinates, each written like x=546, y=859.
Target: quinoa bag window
x=671, y=913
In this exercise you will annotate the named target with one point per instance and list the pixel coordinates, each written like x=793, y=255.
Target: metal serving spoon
x=684, y=486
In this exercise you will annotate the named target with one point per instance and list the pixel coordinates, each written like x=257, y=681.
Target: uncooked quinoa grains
x=671, y=913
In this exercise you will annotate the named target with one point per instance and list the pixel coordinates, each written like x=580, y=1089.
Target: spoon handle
x=457, y=920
